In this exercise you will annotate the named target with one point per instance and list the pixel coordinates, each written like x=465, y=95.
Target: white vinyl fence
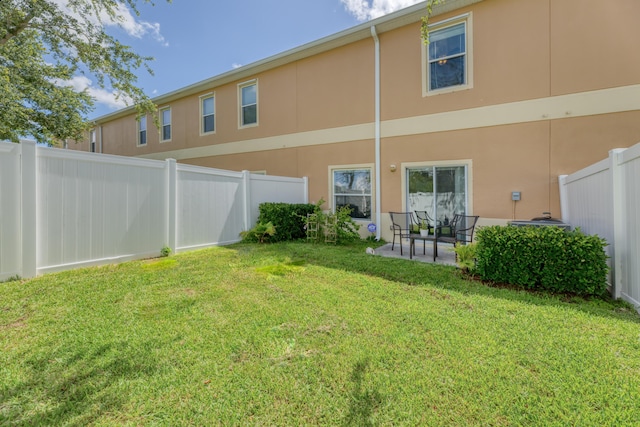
x=62, y=209
x=604, y=199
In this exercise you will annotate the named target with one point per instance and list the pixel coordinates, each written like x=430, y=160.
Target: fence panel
x=604, y=199
x=265, y=188
x=63, y=209
x=630, y=251
x=591, y=202
x=10, y=219
x=93, y=208
x=210, y=207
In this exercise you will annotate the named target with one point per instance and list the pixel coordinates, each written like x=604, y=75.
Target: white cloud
x=127, y=21
x=123, y=19
x=236, y=65
x=364, y=10
x=102, y=96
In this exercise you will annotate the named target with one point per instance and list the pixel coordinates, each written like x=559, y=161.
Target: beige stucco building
x=508, y=96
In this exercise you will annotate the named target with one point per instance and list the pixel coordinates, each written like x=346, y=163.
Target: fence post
x=29, y=209
x=564, y=200
x=619, y=236
x=171, y=206
x=246, y=184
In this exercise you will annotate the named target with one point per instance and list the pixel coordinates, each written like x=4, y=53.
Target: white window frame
x=204, y=97
x=241, y=106
x=426, y=69
x=364, y=166
x=163, y=124
x=92, y=141
x=139, y=131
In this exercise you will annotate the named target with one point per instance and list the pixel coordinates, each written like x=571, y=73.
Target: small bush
x=346, y=227
x=287, y=218
x=261, y=233
x=466, y=257
x=165, y=251
x=542, y=258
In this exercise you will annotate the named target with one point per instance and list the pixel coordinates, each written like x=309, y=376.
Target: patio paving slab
x=446, y=256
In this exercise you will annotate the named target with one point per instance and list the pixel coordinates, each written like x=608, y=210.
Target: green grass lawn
x=301, y=334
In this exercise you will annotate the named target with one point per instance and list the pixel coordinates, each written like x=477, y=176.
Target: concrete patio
x=446, y=256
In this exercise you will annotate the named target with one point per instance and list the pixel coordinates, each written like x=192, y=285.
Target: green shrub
x=261, y=233
x=287, y=218
x=165, y=251
x=466, y=257
x=542, y=258
x=347, y=229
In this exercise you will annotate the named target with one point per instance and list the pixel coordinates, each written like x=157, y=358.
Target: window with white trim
x=165, y=124
x=352, y=188
x=142, y=131
x=448, y=56
x=248, y=94
x=207, y=113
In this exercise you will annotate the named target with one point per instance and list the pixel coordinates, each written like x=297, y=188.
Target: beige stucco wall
x=594, y=44
x=324, y=91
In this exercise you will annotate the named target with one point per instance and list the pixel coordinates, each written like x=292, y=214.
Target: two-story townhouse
x=507, y=96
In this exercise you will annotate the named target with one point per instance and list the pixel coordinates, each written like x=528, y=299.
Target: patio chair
x=402, y=224
x=461, y=230
x=424, y=216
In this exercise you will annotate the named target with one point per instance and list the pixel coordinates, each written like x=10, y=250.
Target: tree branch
x=16, y=29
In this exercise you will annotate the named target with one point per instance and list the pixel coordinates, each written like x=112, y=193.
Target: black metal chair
x=402, y=224
x=423, y=216
x=461, y=230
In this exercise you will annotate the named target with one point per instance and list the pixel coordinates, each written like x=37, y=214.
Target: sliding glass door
x=439, y=190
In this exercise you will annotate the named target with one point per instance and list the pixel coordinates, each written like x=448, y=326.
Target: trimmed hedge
x=542, y=258
x=289, y=219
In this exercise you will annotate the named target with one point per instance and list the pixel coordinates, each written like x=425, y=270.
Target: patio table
x=430, y=238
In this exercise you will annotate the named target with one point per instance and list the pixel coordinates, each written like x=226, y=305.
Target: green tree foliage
x=45, y=42
x=424, y=28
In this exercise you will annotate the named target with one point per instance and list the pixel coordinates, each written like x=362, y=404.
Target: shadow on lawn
x=73, y=388
x=363, y=402
x=354, y=259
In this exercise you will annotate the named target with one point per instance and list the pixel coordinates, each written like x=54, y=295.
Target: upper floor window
x=165, y=124
x=207, y=113
x=248, y=103
x=92, y=141
x=142, y=130
x=448, y=55
x=352, y=188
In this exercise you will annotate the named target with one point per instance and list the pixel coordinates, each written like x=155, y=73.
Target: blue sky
x=192, y=40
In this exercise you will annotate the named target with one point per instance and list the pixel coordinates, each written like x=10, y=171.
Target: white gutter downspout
x=100, y=139
x=374, y=34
